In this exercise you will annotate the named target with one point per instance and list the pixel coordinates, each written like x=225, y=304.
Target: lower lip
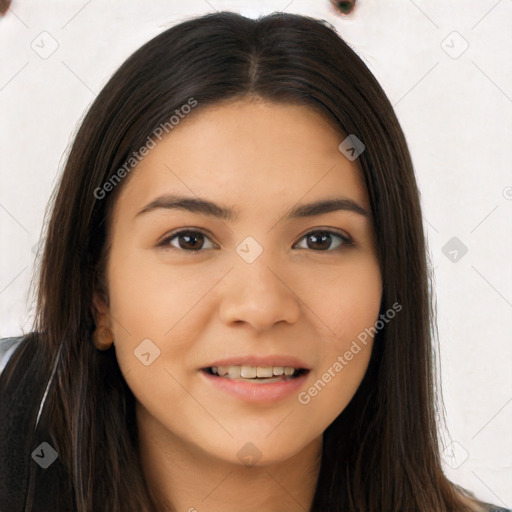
x=257, y=392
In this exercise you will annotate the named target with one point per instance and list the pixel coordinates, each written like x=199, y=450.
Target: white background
x=454, y=106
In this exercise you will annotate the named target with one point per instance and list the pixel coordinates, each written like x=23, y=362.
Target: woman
x=233, y=306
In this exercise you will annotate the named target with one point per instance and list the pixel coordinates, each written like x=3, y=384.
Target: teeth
x=264, y=371
x=234, y=372
x=222, y=370
x=251, y=372
x=248, y=372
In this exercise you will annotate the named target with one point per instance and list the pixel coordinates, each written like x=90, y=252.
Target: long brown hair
x=382, y=452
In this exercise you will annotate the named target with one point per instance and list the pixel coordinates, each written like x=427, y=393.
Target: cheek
x=344, y=360
x=350, y=307
x=334, y=385
x=164, y=305
x=348, y=301
x=148, y=299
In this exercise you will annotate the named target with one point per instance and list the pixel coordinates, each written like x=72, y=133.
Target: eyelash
x=165, y=243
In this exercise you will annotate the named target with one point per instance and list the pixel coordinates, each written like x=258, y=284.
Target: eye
x=193, y=241
x=188, y=240
x=322, y=240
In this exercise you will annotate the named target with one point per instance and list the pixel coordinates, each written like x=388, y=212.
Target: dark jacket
x=30, y=480
x=26, y=485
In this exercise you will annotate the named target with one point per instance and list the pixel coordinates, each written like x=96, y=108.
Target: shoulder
x=22, y=382
x=18, y=355
x=487, y=507
x=469, y=499
x=26, y=482
x=7, y=348
x=21, y=367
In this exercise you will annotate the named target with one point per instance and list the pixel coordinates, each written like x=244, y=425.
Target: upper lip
x=253, y=360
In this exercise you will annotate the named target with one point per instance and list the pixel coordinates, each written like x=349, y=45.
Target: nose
x=259, y=295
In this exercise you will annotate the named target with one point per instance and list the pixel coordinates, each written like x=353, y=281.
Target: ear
x=100, y=310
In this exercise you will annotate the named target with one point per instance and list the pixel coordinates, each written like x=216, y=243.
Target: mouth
x=255, y=374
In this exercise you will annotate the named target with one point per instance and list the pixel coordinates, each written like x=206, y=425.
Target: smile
x=258, y=385
x=256, y=373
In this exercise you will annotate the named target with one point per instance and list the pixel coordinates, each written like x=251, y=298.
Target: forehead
x=248, y=152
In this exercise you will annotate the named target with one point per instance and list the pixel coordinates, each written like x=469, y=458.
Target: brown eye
x=187, y=240
x=194, y=241
x=322, y=240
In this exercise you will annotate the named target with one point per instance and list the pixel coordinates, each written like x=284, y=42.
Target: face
x=191, y=289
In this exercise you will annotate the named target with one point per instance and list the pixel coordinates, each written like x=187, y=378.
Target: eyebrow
x=206, y=207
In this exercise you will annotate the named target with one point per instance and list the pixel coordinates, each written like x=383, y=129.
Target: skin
x=196, y=307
